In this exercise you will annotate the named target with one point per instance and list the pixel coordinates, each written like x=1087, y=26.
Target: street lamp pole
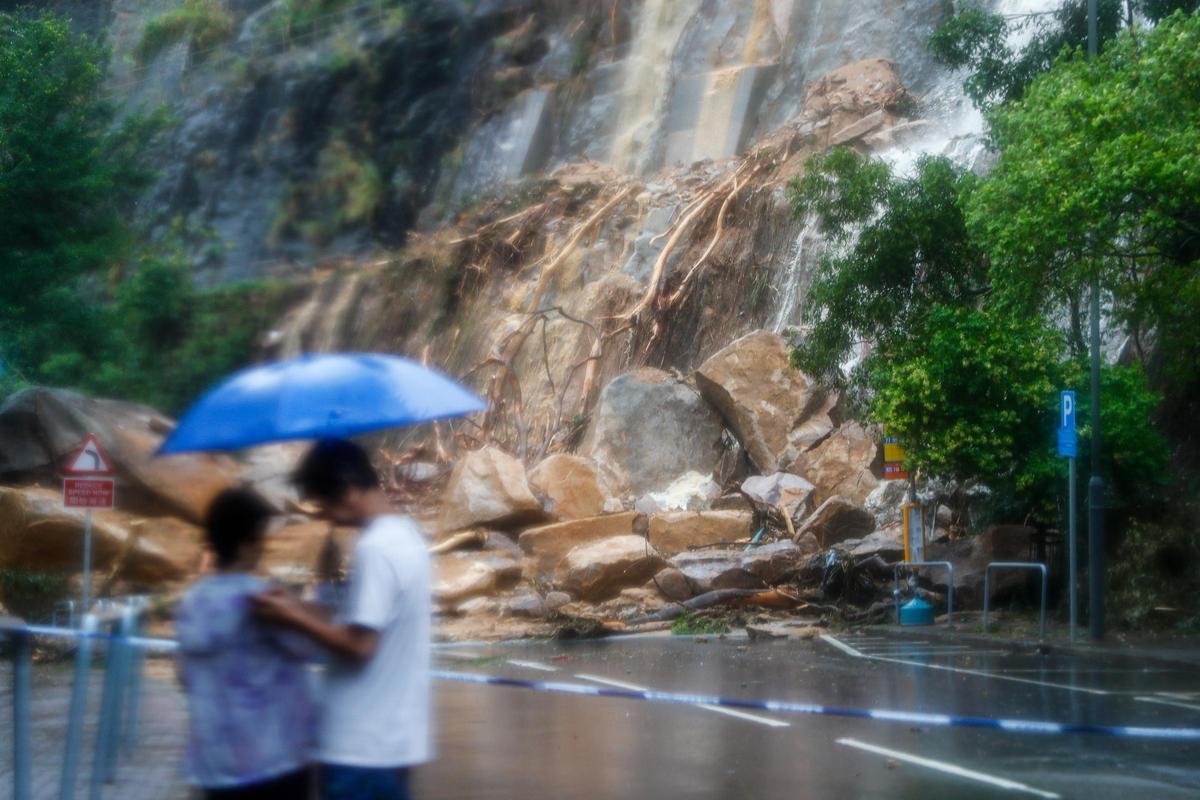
x=1096, y=484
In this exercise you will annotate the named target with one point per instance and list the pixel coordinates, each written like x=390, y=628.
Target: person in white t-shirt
x=374, y=724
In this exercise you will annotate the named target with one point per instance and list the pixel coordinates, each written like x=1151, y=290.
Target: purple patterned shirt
x=248, y=691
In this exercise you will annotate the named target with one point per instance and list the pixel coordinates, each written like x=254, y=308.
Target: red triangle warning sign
x=89, y=459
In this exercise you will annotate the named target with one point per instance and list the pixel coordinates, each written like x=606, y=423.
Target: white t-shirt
x=377, y=714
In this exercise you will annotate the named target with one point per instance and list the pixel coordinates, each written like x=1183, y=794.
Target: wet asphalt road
x=497, y=742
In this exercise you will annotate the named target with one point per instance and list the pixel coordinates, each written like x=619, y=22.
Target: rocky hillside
x=310, y=128
x=582, y=211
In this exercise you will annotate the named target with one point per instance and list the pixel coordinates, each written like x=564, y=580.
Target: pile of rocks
x=638, y=518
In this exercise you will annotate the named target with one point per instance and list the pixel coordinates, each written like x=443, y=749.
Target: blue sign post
x=1067, y=446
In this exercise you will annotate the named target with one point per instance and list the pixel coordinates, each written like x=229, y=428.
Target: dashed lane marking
x=948, y=768
x=729, y=712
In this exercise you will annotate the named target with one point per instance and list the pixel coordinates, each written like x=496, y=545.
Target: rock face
x=37, y=534
x=841, y=465
x=675, y=532
x=600, y=570
x=781, y=489
x=571, y=486
x=836, y=520
x=649, y=428
x=40, y=428
x=885, y=501
x=887, y=543
x=461, y=576
x=547, y=545
x=673, y=585
x=775, y=411
x=488, y=487
x=708, y=570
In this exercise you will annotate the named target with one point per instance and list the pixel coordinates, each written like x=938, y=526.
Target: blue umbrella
x=317, y=397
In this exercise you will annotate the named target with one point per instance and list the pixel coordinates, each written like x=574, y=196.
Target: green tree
x=967, y=382
x=1099, y=173
x=68, y=180
x=979, y=41
x=898, y=246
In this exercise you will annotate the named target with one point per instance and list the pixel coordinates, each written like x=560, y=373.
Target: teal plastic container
x=916, y=612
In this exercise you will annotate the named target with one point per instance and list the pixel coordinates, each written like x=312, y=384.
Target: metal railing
x=926, y=565
x=987, y=593
x=120, y=701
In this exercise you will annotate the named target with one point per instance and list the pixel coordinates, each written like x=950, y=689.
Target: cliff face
x=303, y=137
x=535, y=194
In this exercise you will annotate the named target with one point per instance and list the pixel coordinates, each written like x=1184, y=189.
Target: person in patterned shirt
x=248, y=691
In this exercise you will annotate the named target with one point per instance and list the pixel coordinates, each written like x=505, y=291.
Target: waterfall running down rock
x=796, y=275
x=956, y=128
x=646, y=81
x=953, y=127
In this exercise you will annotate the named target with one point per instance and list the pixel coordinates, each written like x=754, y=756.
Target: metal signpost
x=1067, y=442
x=88, y=485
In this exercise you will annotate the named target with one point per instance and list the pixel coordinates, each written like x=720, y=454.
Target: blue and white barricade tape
x=879, y=715
x=774, y=706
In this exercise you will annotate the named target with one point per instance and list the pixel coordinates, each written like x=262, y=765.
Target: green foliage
x=82, y=304
x=69, y=178
x=170, y=340
x=968, y=391
x=32, y=595
x=202, y=23
x=1099, y=170
x=1156, y=567
x=967, y=381
x=299, y=19
x=978, y=40
x=347, y=191
x=899, y=247
x=689, y=624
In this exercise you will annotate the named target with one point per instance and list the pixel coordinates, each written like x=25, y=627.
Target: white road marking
x=532, y=665
x=729, y=712
x=733, y=712
x=1175, y=703
x=840, y=645
x=610, y=682
x=949, y=769
x=845, y=648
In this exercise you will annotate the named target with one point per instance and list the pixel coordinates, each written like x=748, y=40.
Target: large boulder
x=600, y=570
x=461, y=576
x=885, y=502
x=775, y=411
x=571, y=487
x=38, y=534
x=547, y=545
x=842, y=464
x=709, y=570
x=836, y=520
x=488, y=487
x=887, y=543
x=970, y=557
x=791, y=492
x=40, y=428
x=675, y=532
x=649, y=428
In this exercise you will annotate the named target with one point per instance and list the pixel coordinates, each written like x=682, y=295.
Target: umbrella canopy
x=318, y=397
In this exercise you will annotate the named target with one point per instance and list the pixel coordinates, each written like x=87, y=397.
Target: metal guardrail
x=926, y=565
x=987, y=593
x=120, y=700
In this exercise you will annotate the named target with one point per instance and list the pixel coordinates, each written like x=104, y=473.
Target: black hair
x=331, y=468
x=235, y=517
